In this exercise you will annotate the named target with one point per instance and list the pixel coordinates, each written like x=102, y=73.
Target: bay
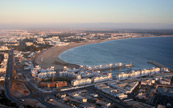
x=136, y=50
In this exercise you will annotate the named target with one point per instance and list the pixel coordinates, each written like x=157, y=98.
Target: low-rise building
x=54, y=84
x=147, y=82
x=3, y=65
x=137, y=73
x=61, y=84
x=103, y=103
x=165, y=69
x=102, y=78
x=2, y=78
x=111, y=91
x=29, y=43
x=81, y=82
x=124, y=87
x=43, y=73
x=79, y=97
x=165, y=81
x=3, y=48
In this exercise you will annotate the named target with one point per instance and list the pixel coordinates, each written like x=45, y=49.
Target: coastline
x=50, y=57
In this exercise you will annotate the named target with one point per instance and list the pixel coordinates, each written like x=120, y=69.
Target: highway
x=9, y=78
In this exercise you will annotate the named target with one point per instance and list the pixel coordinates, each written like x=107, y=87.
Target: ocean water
x=136, y=50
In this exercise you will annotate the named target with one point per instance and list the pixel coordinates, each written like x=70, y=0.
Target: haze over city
x=146, y=14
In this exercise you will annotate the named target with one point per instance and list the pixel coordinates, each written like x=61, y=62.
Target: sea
x=135, y=50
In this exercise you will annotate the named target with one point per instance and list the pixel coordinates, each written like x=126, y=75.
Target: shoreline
x=50, y=57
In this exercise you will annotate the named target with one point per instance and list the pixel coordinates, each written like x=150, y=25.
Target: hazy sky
x=86, y=11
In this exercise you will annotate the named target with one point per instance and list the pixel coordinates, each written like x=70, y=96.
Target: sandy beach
x=50, y=57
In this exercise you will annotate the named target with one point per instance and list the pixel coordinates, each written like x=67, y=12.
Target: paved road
x=90, y=88
x=8, y=84
x=9, y=78
x=40, y=98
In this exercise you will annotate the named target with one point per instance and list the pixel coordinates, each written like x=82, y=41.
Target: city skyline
x=94, y=13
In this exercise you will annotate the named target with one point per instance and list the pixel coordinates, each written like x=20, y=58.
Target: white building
x=81, y=82
x=40, y=39
x=55, y=38
x=29, y=43
x=43, y=73
x=89, y=74
x=137, y=73
x=103, y=103
x=3, y=65
x=3, y=48
x=61, y=44
x=121, y=95
x=123, y=75
x=46, y=74
x=2, y=78
x=78, y=97
x=130, y=87
x=102, y=78
x=165, y=69
x=111, y=91
x=78, y=76
x=124, y=87
x=165, y=81
x=147, y=82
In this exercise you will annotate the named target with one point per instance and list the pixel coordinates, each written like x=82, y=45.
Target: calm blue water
x=137, y=50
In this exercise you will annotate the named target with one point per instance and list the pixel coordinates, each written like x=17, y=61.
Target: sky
x=47, y=12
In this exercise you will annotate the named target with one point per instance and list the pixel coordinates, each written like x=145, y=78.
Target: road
x=88, y=87
x=9, y=78
x=8, y=85
x=41, y=96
